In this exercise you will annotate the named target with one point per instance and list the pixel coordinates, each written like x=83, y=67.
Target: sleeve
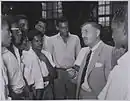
x=78, y=46
x=80, y=58
x=37, y=75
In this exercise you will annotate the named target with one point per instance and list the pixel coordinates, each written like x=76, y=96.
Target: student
x=41, y=26
x=6, y=40
x=94, y=62
x=15, y=78
x=64, y=48
x=39, y=67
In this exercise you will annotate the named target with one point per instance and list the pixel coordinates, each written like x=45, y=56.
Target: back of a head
x=21, y=16
x=121, y=15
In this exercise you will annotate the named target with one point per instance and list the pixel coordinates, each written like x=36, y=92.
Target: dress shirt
x=85, y=84
x=64, y=54
x=14, y=71
x=117, y=84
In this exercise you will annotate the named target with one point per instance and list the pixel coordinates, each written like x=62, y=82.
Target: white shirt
x=117, y=84
x=64, y=54
x=3, y=82
x=35, y=69
x=85, y=85
x=14, y=71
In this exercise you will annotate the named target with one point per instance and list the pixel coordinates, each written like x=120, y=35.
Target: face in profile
x=118, y=34
x=89, y=34
x=6, y=36
x=63, y=28
x=37, y=42
x=41, y=26
x=16, y=34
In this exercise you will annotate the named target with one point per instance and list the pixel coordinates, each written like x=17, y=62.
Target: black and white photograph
x=64, y=50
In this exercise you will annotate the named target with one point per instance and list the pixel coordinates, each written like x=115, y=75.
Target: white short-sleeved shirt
x=64, y=54
x=35, y=69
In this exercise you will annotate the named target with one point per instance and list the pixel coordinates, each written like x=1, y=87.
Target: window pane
x=101, y=2
x=108, y=9
x=55, y=5
x=43, y=14
x=49, y=14
x=43, y=6
x=59, y=5
x=101, y=10
x=49, y=6
x=107, y=2
x=101, y=20
x=107, y=19
x=55, y=14
x=107, y=23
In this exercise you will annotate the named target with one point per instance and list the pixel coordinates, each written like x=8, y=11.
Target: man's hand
x=76, y=68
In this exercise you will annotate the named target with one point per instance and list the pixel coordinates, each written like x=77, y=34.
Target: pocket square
x=98, y=64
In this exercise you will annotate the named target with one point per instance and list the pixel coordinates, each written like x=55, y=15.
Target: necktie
x=86, y=65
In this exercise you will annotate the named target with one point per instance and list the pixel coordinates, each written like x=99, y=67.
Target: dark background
x=76, y=12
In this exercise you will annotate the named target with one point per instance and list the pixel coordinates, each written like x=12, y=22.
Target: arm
x=78, y=46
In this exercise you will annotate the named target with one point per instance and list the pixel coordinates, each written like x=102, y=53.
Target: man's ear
x=98, y=32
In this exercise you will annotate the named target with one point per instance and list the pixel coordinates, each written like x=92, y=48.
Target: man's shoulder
x=74, y=36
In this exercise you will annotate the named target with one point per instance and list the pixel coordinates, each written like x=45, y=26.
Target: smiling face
x=41, y=26
x=89, y=34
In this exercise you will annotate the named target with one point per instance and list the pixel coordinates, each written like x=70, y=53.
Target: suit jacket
x=98, y=68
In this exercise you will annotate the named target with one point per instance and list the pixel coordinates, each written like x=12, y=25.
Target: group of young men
x=35, y=66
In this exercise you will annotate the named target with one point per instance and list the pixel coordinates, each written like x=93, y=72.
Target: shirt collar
x=58, y=35
x=96, y=46
x=4, y=50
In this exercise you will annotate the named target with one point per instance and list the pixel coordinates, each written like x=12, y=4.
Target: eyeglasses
x=16, y=29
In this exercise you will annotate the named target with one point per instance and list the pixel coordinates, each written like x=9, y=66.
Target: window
x=51, y=10
x=104, y=13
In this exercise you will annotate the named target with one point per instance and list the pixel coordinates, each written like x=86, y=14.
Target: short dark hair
x=61, y=20
x=34, y=33
x=94, y=24
x=41, y=19
x=21, y=16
